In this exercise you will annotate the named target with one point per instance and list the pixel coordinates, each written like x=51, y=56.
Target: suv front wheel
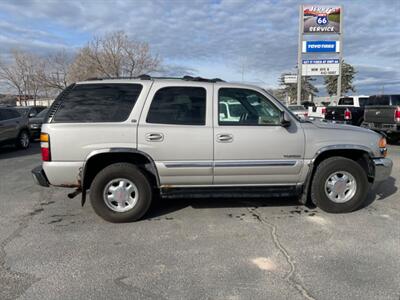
x=120, y=193
x=23, y=140
x=339, y=185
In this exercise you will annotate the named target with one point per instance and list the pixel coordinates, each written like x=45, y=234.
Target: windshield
x=42, y=114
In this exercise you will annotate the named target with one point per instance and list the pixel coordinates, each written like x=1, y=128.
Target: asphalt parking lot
x=51, y=248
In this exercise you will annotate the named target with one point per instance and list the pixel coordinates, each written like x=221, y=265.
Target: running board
x=232, y=192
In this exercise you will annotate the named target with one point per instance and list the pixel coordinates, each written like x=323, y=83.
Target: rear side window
x=98, y=103
x=346, y=101
x=179, y=106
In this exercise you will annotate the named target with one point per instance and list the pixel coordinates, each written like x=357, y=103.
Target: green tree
x=290, y=89
x=348, y=73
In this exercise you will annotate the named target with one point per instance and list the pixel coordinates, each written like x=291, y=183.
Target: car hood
x=326, y=125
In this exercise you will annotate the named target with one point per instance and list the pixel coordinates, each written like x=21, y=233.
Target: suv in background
x=13, y=128
x=383, y=115
x=128, y=141
x=350, y=110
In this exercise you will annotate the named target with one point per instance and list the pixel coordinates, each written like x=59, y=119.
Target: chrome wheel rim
x=340, y=187
x=120, y=195
x=24, y=139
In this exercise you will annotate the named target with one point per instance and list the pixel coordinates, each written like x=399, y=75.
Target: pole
x=339, y=81
x=299, y=51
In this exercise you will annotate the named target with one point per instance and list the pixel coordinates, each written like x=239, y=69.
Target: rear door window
x=8, y=114
x=98, y=103
x=179, y=106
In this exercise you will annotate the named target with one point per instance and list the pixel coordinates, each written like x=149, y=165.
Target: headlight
x=34, y=126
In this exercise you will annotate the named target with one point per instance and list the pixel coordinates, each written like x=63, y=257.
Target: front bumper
x=383, y=168
x=40, y=177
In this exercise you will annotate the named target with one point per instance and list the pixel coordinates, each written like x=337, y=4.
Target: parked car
x=129, y=140
x=35, y=123
x=13, y=128
x=29, y=111
x=299, y=110
x=350, y=110
x=383, y=115
x=316, y=112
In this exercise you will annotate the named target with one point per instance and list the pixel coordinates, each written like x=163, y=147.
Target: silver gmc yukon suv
x=129, y=141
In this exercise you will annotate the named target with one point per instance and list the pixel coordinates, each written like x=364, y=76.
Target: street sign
x=321, y=46
x=290, y=78
x=321, y=19
x=320, y=67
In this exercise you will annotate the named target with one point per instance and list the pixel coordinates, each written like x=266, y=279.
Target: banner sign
x=320, y=67
x=321, y=46
x=290, y=78
x=321, y=19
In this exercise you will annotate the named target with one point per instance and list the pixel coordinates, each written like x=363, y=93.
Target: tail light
x=45, y=146
x=323, y=111
x=347, y=114
x=306, y=114
x=397, y=114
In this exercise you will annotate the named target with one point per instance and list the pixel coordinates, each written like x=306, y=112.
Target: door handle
x=224, y=138
x=154, y=137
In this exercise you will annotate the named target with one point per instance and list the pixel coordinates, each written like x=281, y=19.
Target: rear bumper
x=395, y=128
x=383, y=168
x=40, y=177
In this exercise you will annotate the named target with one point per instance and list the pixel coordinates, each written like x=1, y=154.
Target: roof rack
x=148, y=77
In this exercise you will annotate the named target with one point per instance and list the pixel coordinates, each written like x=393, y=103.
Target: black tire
x=126, y=171
x=23, y=141
x=323, y=172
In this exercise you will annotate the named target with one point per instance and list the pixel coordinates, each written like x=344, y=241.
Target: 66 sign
x=322, y=20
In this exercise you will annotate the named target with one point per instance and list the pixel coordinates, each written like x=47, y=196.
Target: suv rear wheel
x=23, y=140
x=120, y=193
x=339, y=185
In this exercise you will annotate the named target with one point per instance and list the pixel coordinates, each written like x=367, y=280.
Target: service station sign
x=321, y=19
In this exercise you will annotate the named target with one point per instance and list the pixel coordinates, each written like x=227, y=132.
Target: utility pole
x=299, y=55
x=339, y=81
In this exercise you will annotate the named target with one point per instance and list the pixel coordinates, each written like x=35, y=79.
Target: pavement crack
x=9, y=278
x=289, y=277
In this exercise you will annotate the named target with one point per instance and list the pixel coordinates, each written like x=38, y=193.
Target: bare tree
x=11, y=75
x=55, y=71
x=114, y=55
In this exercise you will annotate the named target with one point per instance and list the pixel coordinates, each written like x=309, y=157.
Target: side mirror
x=285, y=119
x=222, y=116
x=32, y=114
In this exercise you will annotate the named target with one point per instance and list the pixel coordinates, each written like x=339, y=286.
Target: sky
x=236, y=40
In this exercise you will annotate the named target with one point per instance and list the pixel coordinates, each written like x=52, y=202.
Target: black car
x=383, y=115
x=350, y=110
x=35, y=123
x=13, y=128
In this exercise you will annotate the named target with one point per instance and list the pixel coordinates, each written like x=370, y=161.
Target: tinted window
x=379, y=100
x=23, y=110
x=395, y=99
x=7, y=114
x=178, y=105
x=363, y=101
x=346, y=101
x=98, y=103
x=42, y=114
x=247, y=107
